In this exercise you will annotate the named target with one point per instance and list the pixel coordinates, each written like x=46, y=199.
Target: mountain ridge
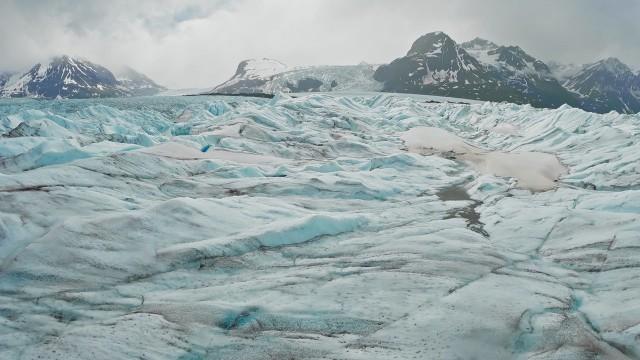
x=605, y=85
x=495, y=73
x=477, y=69
x=66, y=76
x=435, y=64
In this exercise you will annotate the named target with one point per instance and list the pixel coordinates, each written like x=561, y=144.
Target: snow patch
x=534, y=170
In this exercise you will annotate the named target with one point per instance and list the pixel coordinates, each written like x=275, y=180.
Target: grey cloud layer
x=194, y=43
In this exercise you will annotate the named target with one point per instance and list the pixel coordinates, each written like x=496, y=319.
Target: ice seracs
x=320, y=225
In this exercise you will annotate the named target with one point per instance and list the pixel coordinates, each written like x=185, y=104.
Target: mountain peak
x=430, y=43
x=479, y=44
x=251, y=76
x=66, y=59
x=613, y=65
x=477, y=69
x=609, y=85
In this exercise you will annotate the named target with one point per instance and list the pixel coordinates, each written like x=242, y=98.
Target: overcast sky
x=197, y=43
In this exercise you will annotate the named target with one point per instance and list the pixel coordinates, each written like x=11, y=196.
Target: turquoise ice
x=306, y=227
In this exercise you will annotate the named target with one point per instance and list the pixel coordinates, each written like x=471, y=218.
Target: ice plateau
x=320, y=226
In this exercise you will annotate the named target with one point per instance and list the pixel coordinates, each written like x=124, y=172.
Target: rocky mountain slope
x=70, y=77
x=606, y=85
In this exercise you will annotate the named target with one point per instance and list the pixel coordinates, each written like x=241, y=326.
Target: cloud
x=198, y=43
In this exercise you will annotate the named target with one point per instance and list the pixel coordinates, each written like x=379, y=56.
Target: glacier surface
x=322, y=226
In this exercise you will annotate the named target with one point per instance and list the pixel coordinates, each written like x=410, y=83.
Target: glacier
x=317, y=226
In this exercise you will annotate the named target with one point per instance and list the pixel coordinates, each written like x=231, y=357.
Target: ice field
x=322, y=226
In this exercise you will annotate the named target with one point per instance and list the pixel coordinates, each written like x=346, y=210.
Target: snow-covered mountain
x=70, y=77
x=271, y=76
x=251, y=76
x=435, y=64
x=65, y=77
x=136, y=83
x=607, y=85
x=259, y=68
x=510, y=59
x=478, y=69
x=530, y=77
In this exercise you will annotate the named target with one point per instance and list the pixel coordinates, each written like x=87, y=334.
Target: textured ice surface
x=321, y=226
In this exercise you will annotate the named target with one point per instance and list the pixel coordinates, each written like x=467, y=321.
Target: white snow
x=277, y=78
x=263, y=68
x=533, y=170
x=42, y=69
x=433, y=139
